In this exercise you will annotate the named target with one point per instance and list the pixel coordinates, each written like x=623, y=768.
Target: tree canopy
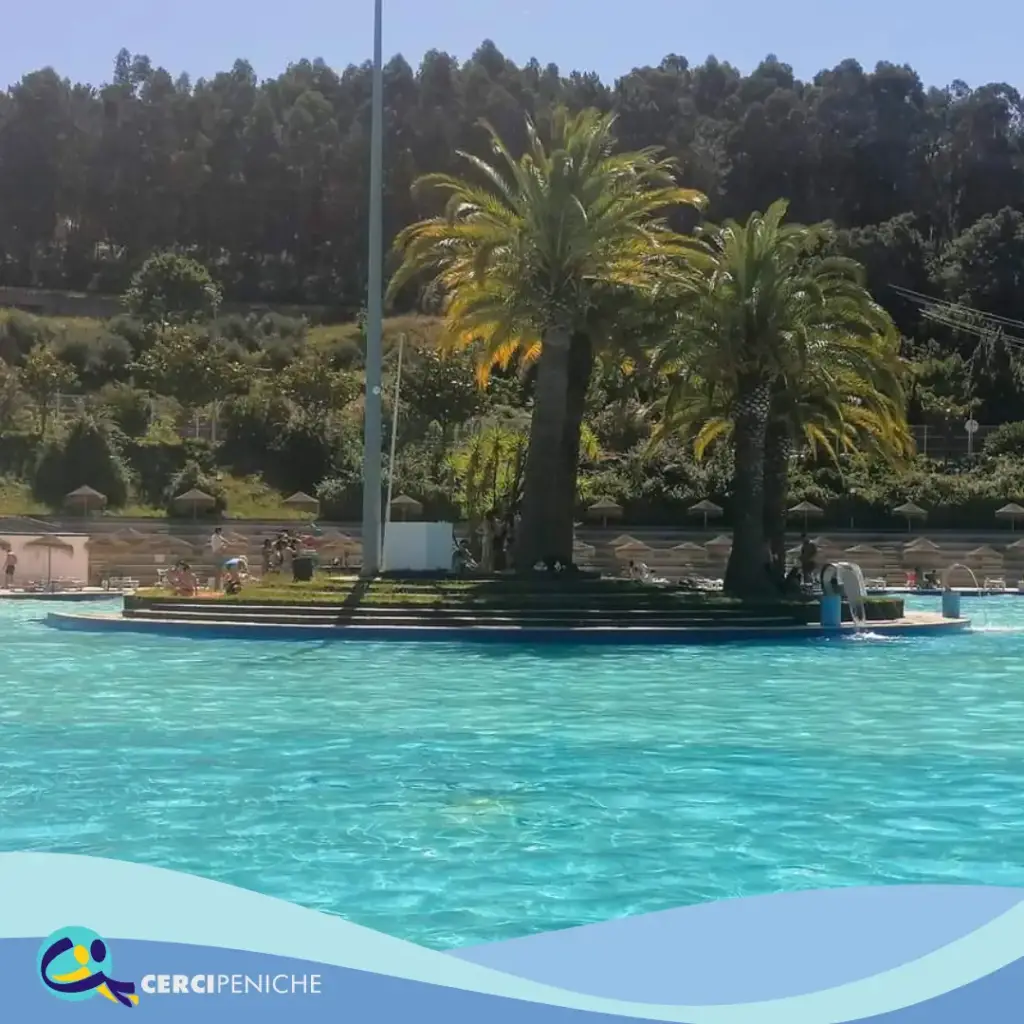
x=265, y=182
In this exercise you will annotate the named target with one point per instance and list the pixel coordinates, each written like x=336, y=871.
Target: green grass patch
x=511, y=593
x=16, y=499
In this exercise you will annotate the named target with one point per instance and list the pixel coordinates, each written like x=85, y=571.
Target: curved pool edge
x=114, y=622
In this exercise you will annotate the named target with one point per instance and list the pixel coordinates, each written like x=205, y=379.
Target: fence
x=949, y=442
x=203, y=424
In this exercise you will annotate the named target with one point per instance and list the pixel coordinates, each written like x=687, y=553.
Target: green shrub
x=341, y=497
x=86, y=455
x=20, y=333
x=194, y=476
x=128, y=408
x=172, y=288
x=1005, y=440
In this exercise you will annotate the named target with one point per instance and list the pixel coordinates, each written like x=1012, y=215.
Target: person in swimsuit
x=10, y=565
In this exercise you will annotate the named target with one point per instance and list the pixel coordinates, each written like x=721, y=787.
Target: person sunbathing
x=183, y=580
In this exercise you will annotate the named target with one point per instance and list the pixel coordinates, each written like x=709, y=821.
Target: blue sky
x=978, y=42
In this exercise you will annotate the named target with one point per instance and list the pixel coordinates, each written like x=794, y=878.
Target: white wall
x=418, y=547
x=32, y=561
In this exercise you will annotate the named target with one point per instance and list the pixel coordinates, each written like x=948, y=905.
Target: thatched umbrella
x=705, y=508
x=406, y=507
x=195, y=500
x=721, y=543
x=605, y=509
x=622, y=539
x=302, y=502
x=86, y=498
x=51, y=543
x=805, y=509
x=1013, y=512
x=910, y=512
x=921, y=552
x=689, y=552
x=637, y=549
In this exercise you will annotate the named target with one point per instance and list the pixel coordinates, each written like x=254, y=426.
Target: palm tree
x=848, y=397
x=769, y=316
x=524, y=260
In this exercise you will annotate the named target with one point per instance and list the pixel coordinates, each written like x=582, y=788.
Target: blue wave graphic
x=963, y=946
x=787, y=944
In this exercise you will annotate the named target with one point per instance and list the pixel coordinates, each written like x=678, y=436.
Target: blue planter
x=951, y=604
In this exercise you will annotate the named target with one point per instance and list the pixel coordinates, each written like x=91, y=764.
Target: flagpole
x=374, y=315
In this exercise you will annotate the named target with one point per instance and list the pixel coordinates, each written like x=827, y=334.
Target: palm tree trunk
x=581, y=365
x=543, y=484
x=745, y=575
x=778, y=451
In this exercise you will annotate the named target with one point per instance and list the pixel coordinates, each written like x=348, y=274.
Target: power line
x=965, y=319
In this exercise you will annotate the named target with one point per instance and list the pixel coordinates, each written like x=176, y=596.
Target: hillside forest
x=185, y=197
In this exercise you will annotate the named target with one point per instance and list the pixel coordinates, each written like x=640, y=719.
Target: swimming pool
x=456, y=794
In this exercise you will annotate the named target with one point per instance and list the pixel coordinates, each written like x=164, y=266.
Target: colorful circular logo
x=76, y=963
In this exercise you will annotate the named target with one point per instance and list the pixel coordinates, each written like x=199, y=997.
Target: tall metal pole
x=374, y=316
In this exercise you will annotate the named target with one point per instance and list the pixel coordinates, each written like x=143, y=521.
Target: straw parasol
x=689, y=552
x=986, y=559
x=86, y=498
x=605, y=509
x=1013, y=512
x=805, y=509
x=633, y=550
x=910, y=512
x=195, y=500
x=405, y=507
x=705, y=508
x=623, y=539
x=921, y=551
x=51, y=543
x=302, y=502
x=719, y=543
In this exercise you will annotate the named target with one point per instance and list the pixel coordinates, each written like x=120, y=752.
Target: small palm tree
x=524, y=261
x=770, y=330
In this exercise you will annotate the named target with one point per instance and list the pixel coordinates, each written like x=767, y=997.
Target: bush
x=341, y=497
x=1005, y=440
x=20, y=333
x=193, y=476
x=97, y=355
x=172, y=288
x=85, y=455
x=128, y=408
x=250, y=424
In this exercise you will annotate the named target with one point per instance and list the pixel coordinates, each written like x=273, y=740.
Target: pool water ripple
x=453, y=794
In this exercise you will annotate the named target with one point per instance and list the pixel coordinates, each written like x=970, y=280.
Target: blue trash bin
x=951, y=604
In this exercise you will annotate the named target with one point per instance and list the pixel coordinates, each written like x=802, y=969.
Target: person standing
x=10, y=566
x=808, y=557
x=217, y=548
x=487, y=543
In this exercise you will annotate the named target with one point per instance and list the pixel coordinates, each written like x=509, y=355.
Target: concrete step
x=387, y=618
x=477, y=610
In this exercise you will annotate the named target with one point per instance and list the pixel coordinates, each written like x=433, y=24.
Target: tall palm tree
x=760, y=319
x=524, y=259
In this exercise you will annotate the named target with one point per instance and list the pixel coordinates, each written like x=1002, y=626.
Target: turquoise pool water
x=463, y=794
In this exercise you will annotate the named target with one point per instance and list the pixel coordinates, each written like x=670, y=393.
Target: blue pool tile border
x=485, y=635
